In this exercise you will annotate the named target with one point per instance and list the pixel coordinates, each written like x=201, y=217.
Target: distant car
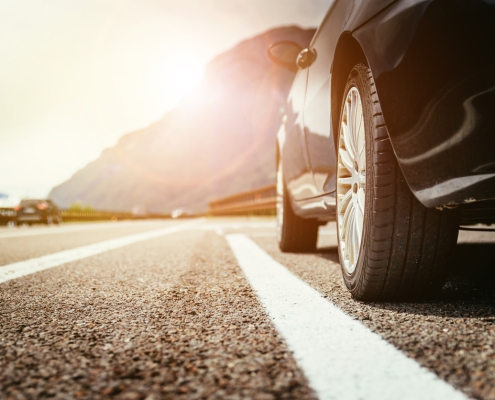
x=32, y=211
x=389, y=129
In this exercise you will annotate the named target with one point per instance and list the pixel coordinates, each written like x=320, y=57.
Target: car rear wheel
x=390, y=245
x=295, y=234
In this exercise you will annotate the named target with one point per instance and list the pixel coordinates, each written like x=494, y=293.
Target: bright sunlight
x=181, y=76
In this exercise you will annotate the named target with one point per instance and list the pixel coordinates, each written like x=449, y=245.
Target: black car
x=389, y=129
x=32, y=211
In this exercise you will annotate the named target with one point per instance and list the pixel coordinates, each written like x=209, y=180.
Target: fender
x=433, y=64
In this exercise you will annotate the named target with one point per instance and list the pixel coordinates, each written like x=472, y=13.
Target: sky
x=76, y=75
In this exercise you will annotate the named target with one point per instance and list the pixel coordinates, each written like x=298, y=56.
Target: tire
x=402, y=251
x=295, y=234
x=49, y=220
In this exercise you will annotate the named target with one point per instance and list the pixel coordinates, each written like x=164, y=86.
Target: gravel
x=167, y=318
x=174, y=317
x=453, y=336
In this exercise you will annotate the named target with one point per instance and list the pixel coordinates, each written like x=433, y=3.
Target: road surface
x=210, y=308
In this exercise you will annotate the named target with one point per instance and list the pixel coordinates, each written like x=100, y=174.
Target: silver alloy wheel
x=351, y=179
x=280, y=202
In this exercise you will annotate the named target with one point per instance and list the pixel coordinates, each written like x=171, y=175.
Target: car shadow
x=330, y=253
x=468, y=292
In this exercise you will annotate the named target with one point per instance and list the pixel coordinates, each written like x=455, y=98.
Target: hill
x=219, y=140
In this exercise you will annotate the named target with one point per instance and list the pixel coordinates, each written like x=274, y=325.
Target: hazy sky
x=75, y=75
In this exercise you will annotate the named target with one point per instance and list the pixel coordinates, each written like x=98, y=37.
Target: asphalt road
x=171, y=309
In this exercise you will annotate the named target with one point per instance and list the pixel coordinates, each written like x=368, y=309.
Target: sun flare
x=181, y=76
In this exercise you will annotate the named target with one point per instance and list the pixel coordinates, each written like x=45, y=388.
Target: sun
x=181, y=75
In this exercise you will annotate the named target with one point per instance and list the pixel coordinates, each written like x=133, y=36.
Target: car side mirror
x=306, y=58
x=285, y=54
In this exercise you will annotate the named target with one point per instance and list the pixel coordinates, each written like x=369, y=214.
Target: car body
x=389, y=129
x=30, y=211
x=433, y=62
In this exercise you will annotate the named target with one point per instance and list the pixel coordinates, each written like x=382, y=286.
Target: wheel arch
x=348, y=53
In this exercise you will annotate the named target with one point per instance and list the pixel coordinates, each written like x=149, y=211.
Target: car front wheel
x=390, y=245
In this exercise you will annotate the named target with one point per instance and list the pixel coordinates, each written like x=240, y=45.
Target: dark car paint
x=433, y=63
x=442, y=119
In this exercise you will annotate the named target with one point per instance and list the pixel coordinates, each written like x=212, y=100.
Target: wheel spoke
x=361, y=196
x=361, y=161
x=345, y=181
x=350, y=238
x=353, y=124
x=345, y=201
x=347, y=136
x=346, y=159
x=345, y=221
x=357, y=126
x=356, y=237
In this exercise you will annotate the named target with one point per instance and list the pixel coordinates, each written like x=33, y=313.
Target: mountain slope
x=220, y=140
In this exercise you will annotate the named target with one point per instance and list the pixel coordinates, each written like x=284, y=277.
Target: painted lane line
x=19, y=232
x=327, y=232
x=341, y=358
x=263, y=225
x=263, y=234
x=23, y=268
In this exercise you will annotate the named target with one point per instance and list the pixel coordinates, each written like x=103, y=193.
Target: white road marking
x=263, y=234
x=342, y=358
x=327, y=232
x=22, y=268
x=263, y=225
x=229, y=225
x=21, y=232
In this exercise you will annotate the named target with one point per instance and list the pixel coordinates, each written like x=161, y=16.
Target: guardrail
x=261, y=201
x=8, y=215
x=88, y=216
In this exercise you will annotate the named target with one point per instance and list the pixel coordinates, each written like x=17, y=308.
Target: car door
x=318, y=130
x=295, y=158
